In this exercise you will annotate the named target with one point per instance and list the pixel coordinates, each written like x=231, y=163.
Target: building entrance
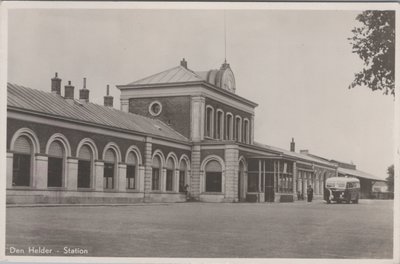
x=269, y=194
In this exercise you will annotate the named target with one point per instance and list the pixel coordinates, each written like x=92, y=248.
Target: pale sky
x=296, y=65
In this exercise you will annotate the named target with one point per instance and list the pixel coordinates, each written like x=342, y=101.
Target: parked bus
x=341, y=189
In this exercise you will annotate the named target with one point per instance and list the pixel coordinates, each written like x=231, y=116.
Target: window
x=219, y=134
x=170, y=175
x=155, y=108
x=229, y=127
x=22, y=162
x=55, y=165
x=130, y=177
x=182, y=176
x=155, y=175
x=246, y=138
x=84, y=166
x=252, y=181
x=213, y=177
x=108, y=182
x=109, y=169
x=238, y=128
x=209, y=121
x=21, y=169
x=131, y=171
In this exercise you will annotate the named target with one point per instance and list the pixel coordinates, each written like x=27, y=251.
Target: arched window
x=209, y=121
x=182, y=176
x=85, y=164
x=55, y=165
x=110, y=167
x=238, y=128
x=219, y=131
x=22, y=162
x=213, y=176
x=131, y=170
x=170, y=175
x=246, y=131
x=155, y=176
x=229, y=126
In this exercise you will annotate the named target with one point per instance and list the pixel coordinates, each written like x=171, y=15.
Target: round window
x=155, y=108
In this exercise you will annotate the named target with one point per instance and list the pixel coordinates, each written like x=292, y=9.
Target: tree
x=374, y=42
x=390, y=178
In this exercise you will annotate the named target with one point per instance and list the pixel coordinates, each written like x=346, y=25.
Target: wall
x=175, y=111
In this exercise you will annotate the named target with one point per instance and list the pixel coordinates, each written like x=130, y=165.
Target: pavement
x=204, y=230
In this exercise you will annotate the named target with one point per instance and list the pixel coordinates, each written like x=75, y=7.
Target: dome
x=222, y=78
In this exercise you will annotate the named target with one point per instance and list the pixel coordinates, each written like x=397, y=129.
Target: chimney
x=69, y=91
x=84, y=93
x=184, y=63
x=56, y=85
x=292, y=146
x=108, y=99
x=304, y=151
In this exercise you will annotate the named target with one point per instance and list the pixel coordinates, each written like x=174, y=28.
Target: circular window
x=155, y=108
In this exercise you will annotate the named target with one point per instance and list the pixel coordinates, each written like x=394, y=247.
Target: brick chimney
x=304, y=151
x=184, y=63
x=84, y=93
x=56, y=85
x=108, y=99
x=69, y=91
x=292, y=146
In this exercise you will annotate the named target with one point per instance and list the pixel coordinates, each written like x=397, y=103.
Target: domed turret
x=222, y=78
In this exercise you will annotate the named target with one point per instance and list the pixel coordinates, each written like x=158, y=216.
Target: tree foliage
x=390, y=178
x=374, y=42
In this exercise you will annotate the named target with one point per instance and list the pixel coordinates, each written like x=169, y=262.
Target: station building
x=175, y=128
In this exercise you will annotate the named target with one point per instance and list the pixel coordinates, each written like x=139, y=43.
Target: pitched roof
x=173, y=75
x=53, y=104
x=296, y=155
x=358, y=173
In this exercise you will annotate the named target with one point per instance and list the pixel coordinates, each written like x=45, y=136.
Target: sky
x=296, y=64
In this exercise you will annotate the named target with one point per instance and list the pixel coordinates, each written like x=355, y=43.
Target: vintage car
x=341, y=189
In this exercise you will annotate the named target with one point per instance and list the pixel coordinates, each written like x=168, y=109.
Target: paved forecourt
x=271, y=230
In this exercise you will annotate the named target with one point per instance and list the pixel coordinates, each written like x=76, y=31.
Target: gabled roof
x=296, y=155
x=358, y=173
x=20, y=97
x=174, y=75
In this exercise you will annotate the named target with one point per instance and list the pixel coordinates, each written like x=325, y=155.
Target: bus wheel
x=348, y=201
x=355, y=201
x=328, y=201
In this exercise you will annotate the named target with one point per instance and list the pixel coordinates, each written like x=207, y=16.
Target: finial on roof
x=84, y=83
x=184, y=63
x=108, y=89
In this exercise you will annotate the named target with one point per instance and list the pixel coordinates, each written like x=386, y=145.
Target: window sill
x=132, y=191
x=110, y=190
x=56, y=189
x=213, y=193
x=85, y=189
x=21, y=188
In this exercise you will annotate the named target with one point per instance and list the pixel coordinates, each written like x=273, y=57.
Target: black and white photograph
x=200, y=132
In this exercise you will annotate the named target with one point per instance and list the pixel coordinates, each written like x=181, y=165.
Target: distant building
x=175, y=128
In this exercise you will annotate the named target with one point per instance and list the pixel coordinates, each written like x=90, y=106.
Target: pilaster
x=197, y=118
x=140, y=183
x=71, y=177
x=147, y=168
x=10, y=161
x=40, y=177
x=231, y=172
x=121, y=184
x=195, y=172
x=124, y=105
x=99, y=175
x=295, y=179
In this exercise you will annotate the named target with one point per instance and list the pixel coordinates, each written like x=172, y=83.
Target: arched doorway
x=241, y=182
